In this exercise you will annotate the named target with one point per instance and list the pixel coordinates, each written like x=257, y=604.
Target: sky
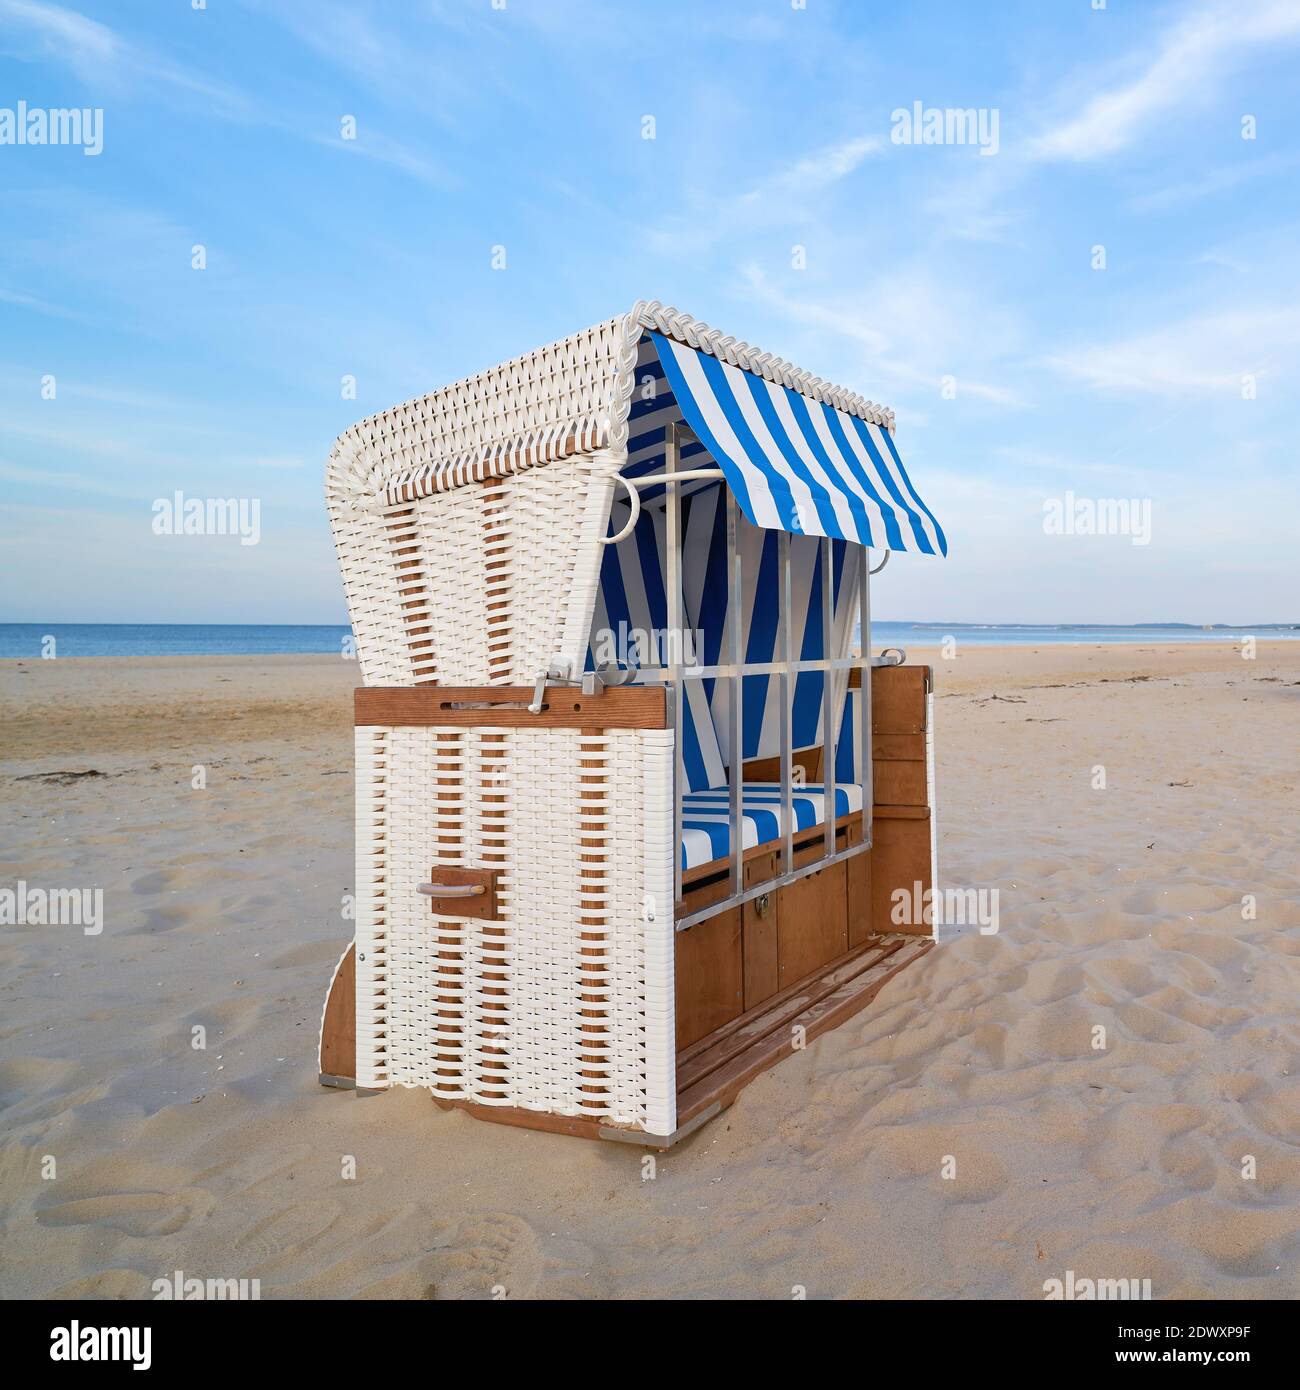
x=1098, y=301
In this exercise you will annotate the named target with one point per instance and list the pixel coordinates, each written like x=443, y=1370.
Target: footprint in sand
x=24, y=1077
x=1137, y=1136
x=483, y=1255
x=132, y=1213
x=167, y=919
x=39, y=1109
x=108, y=1283
x=1189, y=1161
x=154, y=882
x=488, y=1256
x=288, y=1231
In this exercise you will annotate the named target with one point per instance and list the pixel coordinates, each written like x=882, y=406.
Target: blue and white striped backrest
x=629, y=625
x=632, y=604
x=848, y=750
x=760, y=572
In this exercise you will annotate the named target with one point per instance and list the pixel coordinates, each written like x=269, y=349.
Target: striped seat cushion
x=706, y=830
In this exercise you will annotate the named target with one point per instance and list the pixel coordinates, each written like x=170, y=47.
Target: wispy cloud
x=59, y=482
x=82, y=43
x=40, y=306
x=828, y=165
x=103, y=58
x=785, y=196
x=1210, y=353
x=909, y=329
x=374, y=145
x=1214, y=181
x=1199, y=49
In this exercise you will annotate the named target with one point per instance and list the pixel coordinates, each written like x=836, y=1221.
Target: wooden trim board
x=506, y=707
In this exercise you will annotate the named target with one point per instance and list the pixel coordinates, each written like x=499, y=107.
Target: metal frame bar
x=866, y=772
x=673, y=579
x=736, y=682
x=786, y=678
x=656, y=674
x=830, y=780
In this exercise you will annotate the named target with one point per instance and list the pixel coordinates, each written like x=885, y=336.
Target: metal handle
x=687, y=475
x=451, y=890
x=634, y=497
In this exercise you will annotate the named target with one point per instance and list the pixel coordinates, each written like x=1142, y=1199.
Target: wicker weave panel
x=565, y=1005
x=372, y=757
x=491, y=584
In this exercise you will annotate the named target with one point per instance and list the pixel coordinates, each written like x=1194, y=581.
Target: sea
x=34, y=640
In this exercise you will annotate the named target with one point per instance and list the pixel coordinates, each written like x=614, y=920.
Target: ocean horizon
x=32, y=640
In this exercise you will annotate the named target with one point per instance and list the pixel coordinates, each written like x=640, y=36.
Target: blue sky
x=522, y=127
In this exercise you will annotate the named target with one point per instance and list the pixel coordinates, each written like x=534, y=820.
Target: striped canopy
x=797, y=464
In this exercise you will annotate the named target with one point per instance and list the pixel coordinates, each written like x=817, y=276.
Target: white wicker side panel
x=579, y=602
x=372, y=758
x=491, y=583
x=565, y=1006
x=374, y=601
x=654, y=781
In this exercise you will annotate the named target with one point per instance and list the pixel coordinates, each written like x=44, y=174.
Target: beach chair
x=637, y=811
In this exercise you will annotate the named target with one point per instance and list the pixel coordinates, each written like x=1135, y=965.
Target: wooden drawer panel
x=812, y=923
x=710, y=977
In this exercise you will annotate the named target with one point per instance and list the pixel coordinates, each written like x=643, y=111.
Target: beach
x=1112, y=1079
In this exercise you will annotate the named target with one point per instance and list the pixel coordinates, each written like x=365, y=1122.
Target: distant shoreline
x=72, y=641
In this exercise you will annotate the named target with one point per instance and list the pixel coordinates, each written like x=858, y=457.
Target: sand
x=1120, y=909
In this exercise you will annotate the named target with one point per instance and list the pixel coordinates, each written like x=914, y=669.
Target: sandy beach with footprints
x=1120, y=908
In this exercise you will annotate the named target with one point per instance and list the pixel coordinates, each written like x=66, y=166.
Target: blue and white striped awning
x=797, y=464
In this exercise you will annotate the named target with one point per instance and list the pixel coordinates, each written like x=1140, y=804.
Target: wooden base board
x=580, y=1126
x=716, y=1074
